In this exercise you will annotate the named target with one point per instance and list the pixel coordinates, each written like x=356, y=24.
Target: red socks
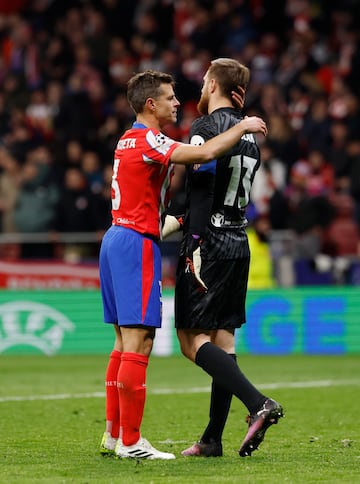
x=112, y=397
x=131, y=380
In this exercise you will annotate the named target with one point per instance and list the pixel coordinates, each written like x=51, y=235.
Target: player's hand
x=238, y=97
x=254, y=124
x=171, y=224
x=193, y=260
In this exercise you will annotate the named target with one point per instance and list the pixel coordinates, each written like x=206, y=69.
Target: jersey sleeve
x=201, y=180
x=201, y=131
x=158, y=147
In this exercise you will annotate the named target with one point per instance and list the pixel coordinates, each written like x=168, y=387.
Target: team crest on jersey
x=160, y=139
x=159, y=142
x=197, y=140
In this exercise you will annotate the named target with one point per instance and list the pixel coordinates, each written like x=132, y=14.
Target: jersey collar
x=228, y=109
x=137, y=125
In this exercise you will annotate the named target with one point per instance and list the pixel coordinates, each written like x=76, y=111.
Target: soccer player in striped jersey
x=213, y=267
x=130, y=262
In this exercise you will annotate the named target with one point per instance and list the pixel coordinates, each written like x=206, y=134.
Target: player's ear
x=150, y=104
x=212, y=85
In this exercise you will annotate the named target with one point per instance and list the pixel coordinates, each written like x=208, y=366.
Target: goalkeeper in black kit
x=213, y=267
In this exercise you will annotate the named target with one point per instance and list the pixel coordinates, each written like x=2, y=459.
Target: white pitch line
x=172, y=391
x=263, y=386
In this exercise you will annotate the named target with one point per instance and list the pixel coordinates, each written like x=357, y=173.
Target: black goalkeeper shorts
x=222, y=306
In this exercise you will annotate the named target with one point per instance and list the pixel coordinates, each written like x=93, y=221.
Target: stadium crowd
x=64, y=67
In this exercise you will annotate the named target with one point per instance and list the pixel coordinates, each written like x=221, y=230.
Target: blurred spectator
x=298, y=106
x=4, y=117
x=281, y=138
x=104, y=199
x=91, y=167
x=353, y=152
x=320, y=180
x=336, y=151
x=316, y=130
x=36, y=203
x=239, y=32
x=15, y=92
x=78, y=211
x=202, y=37
x=109, y=136
x=121, y=63
x=21, y=52
x=268, y=185
x=40, y=116
x=272, y=102
x=352, y=118
x=342, y=236
x=19, y=140
x=309, y=214
x=10, y=177
x=96, y=36
x=68, y=155
x=57, y=59
x=75, y=120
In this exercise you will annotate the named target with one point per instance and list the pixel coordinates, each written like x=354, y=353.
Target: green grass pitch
x=52, y=420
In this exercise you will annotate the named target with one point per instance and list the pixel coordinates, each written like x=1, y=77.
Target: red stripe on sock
x=112, y=411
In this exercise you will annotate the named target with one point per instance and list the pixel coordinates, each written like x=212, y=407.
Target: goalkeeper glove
x=193, y=260
x=171, y=224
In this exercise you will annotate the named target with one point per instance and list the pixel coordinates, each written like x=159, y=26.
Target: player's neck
x=149, y=121
x=219, y=102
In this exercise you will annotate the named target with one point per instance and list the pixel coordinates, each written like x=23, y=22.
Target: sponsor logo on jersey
x=124, y=221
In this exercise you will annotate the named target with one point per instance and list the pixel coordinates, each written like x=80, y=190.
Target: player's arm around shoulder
x=220, y=144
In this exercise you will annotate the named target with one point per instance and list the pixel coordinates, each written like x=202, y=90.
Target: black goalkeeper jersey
x=217, y=193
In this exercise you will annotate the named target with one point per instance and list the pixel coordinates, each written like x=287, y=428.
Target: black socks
x=219, y=410
x=226, y=374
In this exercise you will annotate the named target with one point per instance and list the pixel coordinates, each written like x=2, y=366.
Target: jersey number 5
x=116, y=195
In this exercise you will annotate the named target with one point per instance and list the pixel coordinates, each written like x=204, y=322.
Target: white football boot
x=141, y=450
x=108, y=443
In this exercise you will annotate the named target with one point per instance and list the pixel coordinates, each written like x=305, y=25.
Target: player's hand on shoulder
x=238, y=97
x=254, y=124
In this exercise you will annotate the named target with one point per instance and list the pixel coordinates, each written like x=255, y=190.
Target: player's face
x=203, y=103
x=166, y=106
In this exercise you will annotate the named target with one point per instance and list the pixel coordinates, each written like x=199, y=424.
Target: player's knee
x=188, y=353
x=187, y=349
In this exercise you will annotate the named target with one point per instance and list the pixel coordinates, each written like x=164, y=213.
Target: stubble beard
x=203, y=105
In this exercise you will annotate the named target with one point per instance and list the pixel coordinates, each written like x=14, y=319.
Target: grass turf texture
x=52, y=432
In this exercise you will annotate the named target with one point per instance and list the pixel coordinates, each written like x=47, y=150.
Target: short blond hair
x=229, y=73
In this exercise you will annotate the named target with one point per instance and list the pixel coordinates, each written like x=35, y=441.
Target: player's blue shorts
x=130, y=278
